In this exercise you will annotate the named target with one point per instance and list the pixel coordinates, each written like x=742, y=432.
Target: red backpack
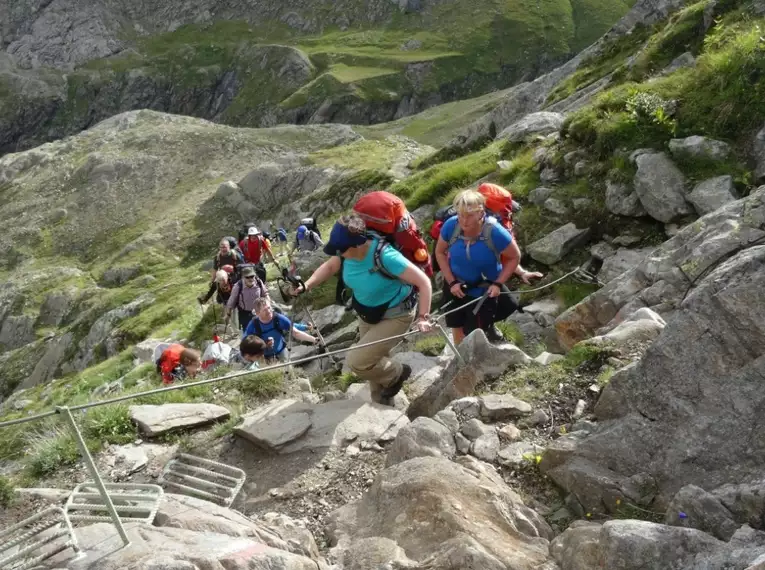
x=386, y=217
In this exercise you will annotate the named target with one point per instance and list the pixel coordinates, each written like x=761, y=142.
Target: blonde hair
x=354, y=223
x=221, y=276
x=468, y=201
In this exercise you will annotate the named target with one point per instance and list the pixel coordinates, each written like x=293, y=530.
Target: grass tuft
x=6, y=492
x=430, y=345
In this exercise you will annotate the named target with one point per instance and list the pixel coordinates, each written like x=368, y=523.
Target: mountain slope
x=261, y=65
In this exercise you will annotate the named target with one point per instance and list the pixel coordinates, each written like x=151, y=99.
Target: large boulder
x=712, y=194
x=693, y=507
x=423, y=437
x=287, y=426
x=661, y=187
x=430, y=505
x=481, y=360
x=554, y=246
x=637, y=545
x=541, y=123
x=17, y=331
x=190, y=513
x=158, y=420
x=622, y=260
x=663, y=279
x=631, y=545
x=644, y=325
x=699, y=147
x=685, y=413
x=153, y=548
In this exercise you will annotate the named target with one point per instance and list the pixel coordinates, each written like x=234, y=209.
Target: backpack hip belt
x=404, y=307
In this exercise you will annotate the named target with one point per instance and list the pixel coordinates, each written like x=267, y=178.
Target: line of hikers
x=384, y=272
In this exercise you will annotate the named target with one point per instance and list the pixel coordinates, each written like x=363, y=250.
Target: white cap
x=253, y=231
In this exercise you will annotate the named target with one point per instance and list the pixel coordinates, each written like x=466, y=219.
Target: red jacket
x=169, y=364
x=252, y=249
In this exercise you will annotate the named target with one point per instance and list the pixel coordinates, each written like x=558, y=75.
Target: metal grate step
x=30, y=542
x=203, y=478
x=133, y=502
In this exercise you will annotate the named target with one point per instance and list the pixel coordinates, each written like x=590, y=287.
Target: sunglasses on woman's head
x=249, y=278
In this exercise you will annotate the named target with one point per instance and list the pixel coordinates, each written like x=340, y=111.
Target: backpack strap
x=377, y=264
x=486, y=237
x=258, y=328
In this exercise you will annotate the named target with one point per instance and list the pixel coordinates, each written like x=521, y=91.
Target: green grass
x=262, y=385
x=609, y=59
x=572, y=293
x=430, y=345
x=684, y=31
x=370, y=155
x=51, y=450
x=351, y=74
x=6, y=492
x=521, y=177
x=511, y=332
x=110, y=424
x=436, y=126
x=723, y=97
x=536, y=384
x=434, y=184
x=333, y=381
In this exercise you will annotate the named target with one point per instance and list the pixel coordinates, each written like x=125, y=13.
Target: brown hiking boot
x=395, y=388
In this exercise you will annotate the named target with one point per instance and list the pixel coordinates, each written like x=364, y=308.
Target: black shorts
x=464, y=318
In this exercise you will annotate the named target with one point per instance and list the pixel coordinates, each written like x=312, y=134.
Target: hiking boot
x=395, y=388
x=493, y=334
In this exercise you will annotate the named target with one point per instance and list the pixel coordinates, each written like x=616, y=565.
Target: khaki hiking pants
x=372, y=363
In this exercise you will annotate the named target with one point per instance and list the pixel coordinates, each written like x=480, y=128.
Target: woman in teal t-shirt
x=384, y=305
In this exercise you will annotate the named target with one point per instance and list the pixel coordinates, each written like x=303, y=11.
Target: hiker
x=281, y=239
x=385, y=305
x=476, y=255
x=226, y=256
x=243, y=296
x=221, y=287
x=499, y=204
x=178, y=362
x=252, y=350
x=254, y=247
x=271, y=327
x=306, y=240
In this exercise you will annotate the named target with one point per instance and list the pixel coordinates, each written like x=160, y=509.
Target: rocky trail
x=617, y=427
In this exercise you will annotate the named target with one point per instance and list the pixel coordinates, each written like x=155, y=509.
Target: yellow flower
x=588, y=515
x=618, y=502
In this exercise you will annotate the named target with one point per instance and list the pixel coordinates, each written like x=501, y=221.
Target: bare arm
x=417, y=278
x=300, y=335
x=513, y=255
x=324, y=272
x=442, y=250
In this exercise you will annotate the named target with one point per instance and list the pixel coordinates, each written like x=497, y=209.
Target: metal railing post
x=450, y=343
x=67, y=413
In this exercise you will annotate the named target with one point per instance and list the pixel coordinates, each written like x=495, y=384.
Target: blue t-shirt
x=371, y=288
x=276, y=329
x=482, y=264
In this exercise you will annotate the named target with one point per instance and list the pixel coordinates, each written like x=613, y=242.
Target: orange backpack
x=499, y=203
x=387, y=218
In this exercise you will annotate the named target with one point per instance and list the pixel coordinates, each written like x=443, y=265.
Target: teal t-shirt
x=369, y=287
